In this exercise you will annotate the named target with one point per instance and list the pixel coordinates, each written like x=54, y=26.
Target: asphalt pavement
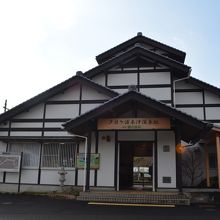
x=41, y=207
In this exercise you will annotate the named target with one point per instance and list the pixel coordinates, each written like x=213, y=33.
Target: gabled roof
x=204, y=85
x=138, y=50
x=42, y=97
x=173, y=53
x=191, y=126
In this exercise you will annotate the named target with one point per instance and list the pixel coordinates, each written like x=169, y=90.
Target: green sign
x=94, y=161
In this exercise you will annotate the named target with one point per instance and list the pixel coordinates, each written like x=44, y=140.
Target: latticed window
x=31, y=153
x=58, y=154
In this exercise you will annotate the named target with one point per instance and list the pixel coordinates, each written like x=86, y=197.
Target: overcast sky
x=44, y=42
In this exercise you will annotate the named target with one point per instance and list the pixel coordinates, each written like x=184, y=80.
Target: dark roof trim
x=204, y=85
x=139, y=39
x=142, y=99
x=138, y=50
x=42, y=97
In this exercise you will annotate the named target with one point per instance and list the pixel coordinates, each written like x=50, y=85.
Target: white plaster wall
x=135, y=135
x=211, y=98
x=28, y=175
x=166, y=160
x=146, y=68
x=100, y=79
x=53, y=124
x=189, y=98
x=35, y=112
x=62, y=111
x=157, y=93
x=4, y=133
x=195, y=112
x=155, y=78
x=121, y=91
x=70, y=94
x=88, y=107
x=57, y=133
x=212, y=113
x=25, y=133
x=130, y=68
x=92, y=94
x=105, y=176
x=122, y=79
x=26, y=125
x=51, y=176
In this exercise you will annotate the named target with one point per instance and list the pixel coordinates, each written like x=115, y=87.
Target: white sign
x=10, y=163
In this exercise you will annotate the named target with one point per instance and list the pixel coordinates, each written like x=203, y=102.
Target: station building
x=138, y=120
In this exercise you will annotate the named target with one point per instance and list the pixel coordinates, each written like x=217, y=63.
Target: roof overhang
x=54, y=91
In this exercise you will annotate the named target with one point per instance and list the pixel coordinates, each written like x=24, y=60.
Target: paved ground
x=38, y=207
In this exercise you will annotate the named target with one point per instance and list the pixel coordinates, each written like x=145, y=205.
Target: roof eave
x=142, y=39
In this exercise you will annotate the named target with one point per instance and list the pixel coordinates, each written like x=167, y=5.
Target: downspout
x=174, y=86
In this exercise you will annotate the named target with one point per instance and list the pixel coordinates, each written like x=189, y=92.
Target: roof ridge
x=143, y=38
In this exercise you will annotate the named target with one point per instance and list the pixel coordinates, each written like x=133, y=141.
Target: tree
x=192, y=167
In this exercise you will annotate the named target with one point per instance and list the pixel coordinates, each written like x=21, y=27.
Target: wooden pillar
x=218, y=157
x=207, y=171
x=88, y=159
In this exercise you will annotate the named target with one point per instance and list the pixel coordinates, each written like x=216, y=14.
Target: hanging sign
x=133, y=123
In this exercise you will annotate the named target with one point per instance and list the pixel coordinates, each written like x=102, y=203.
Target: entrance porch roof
x=191, y=128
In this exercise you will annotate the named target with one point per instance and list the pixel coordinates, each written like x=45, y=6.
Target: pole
x=86, y=149
x=19, y=177
x=85, y=138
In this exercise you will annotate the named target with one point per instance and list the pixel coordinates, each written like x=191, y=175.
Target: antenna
x=5, y=106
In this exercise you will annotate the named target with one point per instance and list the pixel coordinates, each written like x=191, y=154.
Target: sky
x=44, y=42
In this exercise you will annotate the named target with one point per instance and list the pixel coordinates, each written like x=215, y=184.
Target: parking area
x=41, y=207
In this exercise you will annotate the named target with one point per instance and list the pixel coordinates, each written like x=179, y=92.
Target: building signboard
x=10, y=163
x=133, y=123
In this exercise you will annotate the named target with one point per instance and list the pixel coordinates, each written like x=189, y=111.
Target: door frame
x=153, y=162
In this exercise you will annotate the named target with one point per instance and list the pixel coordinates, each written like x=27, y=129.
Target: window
x=31, y=153
x=58, y=154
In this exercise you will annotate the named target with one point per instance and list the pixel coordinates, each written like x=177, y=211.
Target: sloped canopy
x=191, y=128
x=172, y=53
x=53, y=91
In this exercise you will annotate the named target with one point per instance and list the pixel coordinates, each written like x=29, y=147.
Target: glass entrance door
x=143, y=172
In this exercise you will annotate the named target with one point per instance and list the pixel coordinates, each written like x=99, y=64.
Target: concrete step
x=132, y=197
